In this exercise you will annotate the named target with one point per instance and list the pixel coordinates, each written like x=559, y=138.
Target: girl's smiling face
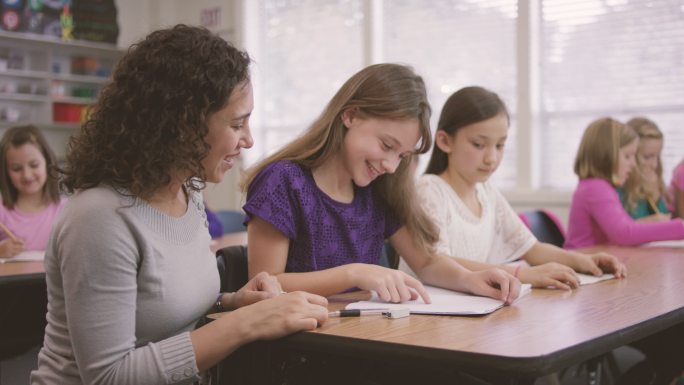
x=374, y=146
x=27, y=169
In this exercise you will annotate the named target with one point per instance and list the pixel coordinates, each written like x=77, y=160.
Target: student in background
x=320, y=209
x=214, y=224
x=605, y=158
x=643, y=194
x=476, y=224
x=30, y=191
x=128, y=267
x=677, y=190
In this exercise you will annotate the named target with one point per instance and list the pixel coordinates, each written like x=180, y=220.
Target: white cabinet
x=50, y=83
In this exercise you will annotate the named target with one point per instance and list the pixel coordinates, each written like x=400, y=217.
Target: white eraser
x=398, y=313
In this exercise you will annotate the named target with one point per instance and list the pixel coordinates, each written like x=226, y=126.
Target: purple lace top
x=323, y=233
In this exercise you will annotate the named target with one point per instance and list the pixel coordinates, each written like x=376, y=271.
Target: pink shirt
x=597, y=217
x=677, y=183
x=34, y=228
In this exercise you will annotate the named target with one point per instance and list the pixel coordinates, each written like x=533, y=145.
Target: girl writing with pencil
x=644, y=193
x=320, y=209
x=128, y=267
x=476, y=224
x=605, y=158
x=30, y=192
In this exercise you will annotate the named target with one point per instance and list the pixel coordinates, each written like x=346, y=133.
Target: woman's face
x=374, y=146
x=26, y=168
x=626, y=161
x=228, y=133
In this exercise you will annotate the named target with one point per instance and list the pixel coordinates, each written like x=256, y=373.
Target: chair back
x=231, y=220
x=545, y=226
x=232, y=267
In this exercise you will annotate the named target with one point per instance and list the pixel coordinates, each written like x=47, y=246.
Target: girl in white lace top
x=477, y=225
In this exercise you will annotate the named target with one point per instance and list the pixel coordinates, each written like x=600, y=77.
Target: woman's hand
x=10, y=248
x=262, y=286
x=494, y=283
x=391, y=285
x=599, y=263
x=282, y=315
x=550, y=274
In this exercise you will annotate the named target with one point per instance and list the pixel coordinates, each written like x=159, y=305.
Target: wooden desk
x=17, y=272
x=544, y=332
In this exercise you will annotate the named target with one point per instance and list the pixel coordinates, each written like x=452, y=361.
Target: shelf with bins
x=49, y=82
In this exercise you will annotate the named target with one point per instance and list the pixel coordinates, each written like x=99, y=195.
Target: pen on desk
x=8, y=232
x=389, y=313
x=355, y=312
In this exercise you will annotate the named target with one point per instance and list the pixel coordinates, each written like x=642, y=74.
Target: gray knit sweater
x=126, y=283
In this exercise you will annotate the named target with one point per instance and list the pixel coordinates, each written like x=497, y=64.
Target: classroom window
x=597, y=58
x=310, y=48
x=615, y=58
x=464, y=43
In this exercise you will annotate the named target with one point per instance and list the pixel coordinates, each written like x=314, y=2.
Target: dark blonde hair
x=152, y=117
x=18, y=136
x=634, y=189
x=599, y=150
x=384, y=91
x=464, y=107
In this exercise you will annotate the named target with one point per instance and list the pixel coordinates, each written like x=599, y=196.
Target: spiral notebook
x=444, y=302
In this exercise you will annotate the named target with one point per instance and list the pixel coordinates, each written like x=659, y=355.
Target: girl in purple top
x=604, y=160
x=30, y=195
x=319, y=210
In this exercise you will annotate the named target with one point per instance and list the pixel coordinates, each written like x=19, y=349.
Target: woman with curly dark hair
x=128, y=266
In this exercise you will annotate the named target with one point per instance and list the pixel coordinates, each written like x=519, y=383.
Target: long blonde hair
x=599, y=150
x=634, y=188
x=384, y=91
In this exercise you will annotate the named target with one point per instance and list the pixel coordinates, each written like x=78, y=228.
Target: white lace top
x=497, y=236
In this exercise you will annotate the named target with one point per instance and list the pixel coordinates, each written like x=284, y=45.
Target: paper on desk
x=586, y=279
x=25, y=256
x=444, y=302
x=676, y=243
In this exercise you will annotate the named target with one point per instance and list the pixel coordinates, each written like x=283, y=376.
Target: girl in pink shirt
x=30, y=195
x=677, y=190
x=605, y=158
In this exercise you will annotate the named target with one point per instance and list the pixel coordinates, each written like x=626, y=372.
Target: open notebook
x=444, y=302
x=25, y=256
x=675, y=243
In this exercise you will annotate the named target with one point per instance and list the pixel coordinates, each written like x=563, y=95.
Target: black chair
x=232, y=267
x=545, y=226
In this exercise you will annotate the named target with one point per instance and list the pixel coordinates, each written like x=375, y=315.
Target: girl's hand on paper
x=600, y=263
x=10, y=248
x=494, y=283
x=282, y=315
x=550, y=274
x=262, y=286
x=391, y=285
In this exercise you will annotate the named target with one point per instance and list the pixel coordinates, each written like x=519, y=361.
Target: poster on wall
x=93, y=20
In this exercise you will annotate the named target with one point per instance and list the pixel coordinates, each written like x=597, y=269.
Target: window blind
x=616, y=58
x=454, y=44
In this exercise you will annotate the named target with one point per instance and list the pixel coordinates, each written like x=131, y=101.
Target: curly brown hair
x=150, y=119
